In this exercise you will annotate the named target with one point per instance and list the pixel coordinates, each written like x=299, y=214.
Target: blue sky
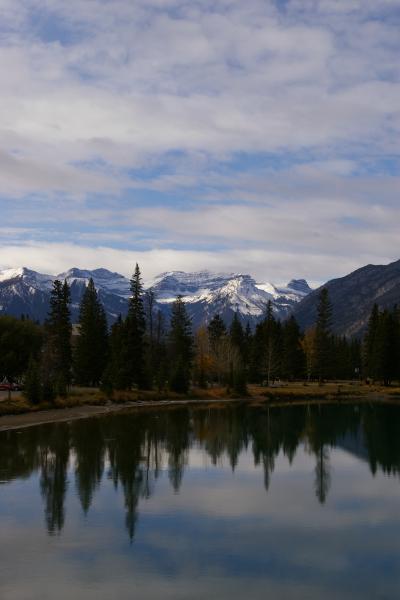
x=258, y=136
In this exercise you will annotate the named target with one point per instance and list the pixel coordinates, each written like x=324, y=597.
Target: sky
x=259, y=137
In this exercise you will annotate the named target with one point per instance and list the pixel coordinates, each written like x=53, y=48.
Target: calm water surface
x=239, y=503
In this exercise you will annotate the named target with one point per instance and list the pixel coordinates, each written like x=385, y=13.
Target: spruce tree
x=180, y=347
x=160, y=352
x=135, y=326
x=257, y=353
x=387, y=347
x=323, y=355
x=32, y=388
x=247, y=345
x=149, y=302
x=293, y=359
x=217, y=335
x=116, y=375
x=92, y=343
x=272, y=345
x=371, y=361
x=236, y=334
x=216, y=330
x=273, y=349
x=58, y=330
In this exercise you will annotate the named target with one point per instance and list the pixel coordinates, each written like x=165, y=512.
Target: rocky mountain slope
x=23, y=291
x=353, y=297
x=208, y=293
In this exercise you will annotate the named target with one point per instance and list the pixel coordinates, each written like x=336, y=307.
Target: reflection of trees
x=324, y=426
x=136, y=447
x=319, y=433
x=322, y=474
x=53, y=482
x=381, y=427
x=89, y=448
x=19, y=454
x=125, y=455
x=177, y=446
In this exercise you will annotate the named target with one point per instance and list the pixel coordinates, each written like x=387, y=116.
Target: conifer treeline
x=145, y=351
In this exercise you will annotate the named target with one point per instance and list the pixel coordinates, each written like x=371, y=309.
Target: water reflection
x=132, y=450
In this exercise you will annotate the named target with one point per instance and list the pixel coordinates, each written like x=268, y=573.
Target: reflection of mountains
x=134, y=449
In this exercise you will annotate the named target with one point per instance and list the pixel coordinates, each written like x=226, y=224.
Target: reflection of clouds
x=222, y=537
x=355, y=496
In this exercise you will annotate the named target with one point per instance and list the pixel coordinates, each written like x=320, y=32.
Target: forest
x=146, y=351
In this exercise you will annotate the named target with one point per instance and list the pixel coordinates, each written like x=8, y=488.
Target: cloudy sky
x=258, y=136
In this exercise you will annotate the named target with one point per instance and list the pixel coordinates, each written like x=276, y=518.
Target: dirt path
x=58, y=415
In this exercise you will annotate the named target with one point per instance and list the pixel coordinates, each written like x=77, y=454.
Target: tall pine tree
x=91, y=350
x=293, y=359
x=58, y=352
x=180, y=347
x=370, y=355
x=236, y=334
x=323, y=335
x=135, y=328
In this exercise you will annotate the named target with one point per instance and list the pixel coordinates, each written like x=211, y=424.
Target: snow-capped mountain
x=23, y=291
x=208, y=293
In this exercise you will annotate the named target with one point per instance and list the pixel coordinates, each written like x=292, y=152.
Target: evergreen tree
x=135, y=326
x=216, y=330
x=323, y=355
x=247, y=346
x=180, y=347
x=19, y=342
x=32, y=388
x=217, y=335
x=371, y=359
x=309, y=349
x=58, y=329
x=236, y=334
x=92, y=343
x=271, y=357
x=273, y=349
x=293, y=359
x=257, y=354
x=115, y=375
x=387, y=343
x=160, y=352
x=149, y=301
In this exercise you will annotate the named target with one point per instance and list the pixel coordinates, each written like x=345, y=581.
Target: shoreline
x=86, y=411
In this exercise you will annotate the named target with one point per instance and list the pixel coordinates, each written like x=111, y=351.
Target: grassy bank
x=293, y=392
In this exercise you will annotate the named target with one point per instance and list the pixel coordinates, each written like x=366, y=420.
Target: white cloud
x=94, y=91
x=266, y=265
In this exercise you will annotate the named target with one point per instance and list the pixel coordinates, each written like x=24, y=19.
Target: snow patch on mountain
x=105, y=280
x=25, y=291
x=226, y=291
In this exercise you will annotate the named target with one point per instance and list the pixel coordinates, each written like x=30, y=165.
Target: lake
x=239, y=502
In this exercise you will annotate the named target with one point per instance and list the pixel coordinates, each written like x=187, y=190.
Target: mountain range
x=23, y=291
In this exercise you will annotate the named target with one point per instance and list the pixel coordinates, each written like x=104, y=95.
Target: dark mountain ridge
x=353, y=297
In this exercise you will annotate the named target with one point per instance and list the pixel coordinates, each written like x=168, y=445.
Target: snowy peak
x=207, y=293
x=104, y=280
x=28, y=277
x=23, y=291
